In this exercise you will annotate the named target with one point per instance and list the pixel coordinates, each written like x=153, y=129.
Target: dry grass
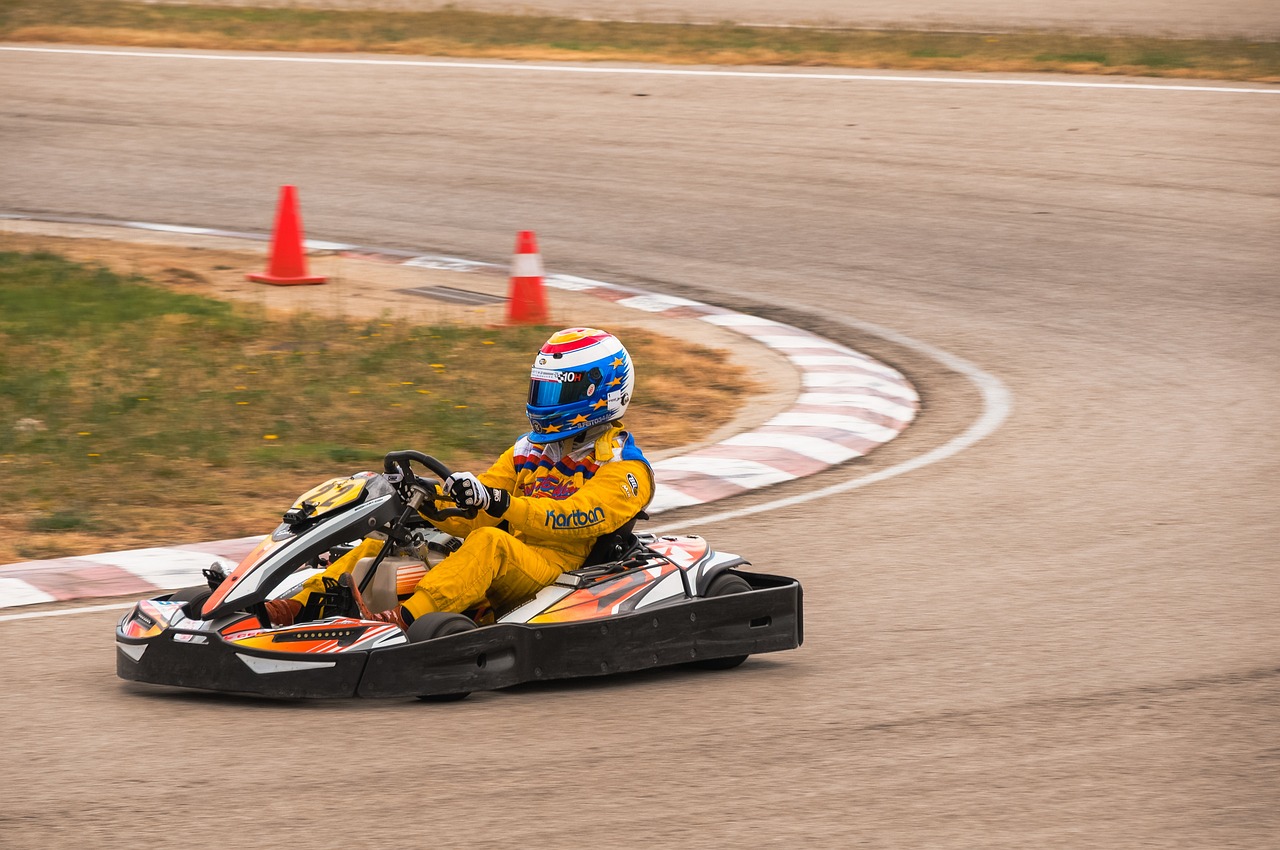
x=450, y=32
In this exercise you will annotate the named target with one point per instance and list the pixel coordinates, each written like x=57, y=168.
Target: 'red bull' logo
x=576, y=519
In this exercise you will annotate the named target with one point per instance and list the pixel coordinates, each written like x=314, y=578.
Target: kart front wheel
x=194, y=598
x=435, y=625
x=723, y=585
x=186, y=594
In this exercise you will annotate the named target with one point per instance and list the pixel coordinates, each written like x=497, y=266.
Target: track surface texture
x=1065, y=636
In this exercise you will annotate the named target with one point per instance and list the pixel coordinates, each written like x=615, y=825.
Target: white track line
x=34, y=615
x=997, y=402
x=653, y=71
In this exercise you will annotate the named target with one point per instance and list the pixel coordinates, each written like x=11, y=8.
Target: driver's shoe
x=395, y=616
x=283, y=612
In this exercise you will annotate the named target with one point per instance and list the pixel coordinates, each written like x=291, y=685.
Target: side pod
x=767, y=619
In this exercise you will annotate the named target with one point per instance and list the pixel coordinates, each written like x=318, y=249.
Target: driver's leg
x=284, y=612
x=491, y=564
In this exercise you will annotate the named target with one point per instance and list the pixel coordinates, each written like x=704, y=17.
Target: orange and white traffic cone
x=288, y=263
x=526, y=300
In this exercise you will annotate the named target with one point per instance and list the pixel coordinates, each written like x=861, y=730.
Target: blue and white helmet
x=582, y=377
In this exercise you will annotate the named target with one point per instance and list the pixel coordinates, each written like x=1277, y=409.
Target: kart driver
x=577, y=475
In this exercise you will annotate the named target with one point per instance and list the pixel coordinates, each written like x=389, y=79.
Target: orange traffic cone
x=526, y=301
x=288, y=265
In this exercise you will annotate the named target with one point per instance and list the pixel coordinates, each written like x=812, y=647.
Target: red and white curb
x=848, y=405
x=115, y=573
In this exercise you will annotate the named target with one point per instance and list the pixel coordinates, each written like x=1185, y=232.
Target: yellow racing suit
x=563, y=498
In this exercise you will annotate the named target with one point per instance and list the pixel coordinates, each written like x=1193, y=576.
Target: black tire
x=723, y=585
x=436, y=625
x=186, y=594
x=194, y=598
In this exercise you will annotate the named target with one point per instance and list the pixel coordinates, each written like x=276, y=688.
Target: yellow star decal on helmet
x=617, y=361
x=599, y=404
x=615, y=382
x=578, y=420
x=551, y=429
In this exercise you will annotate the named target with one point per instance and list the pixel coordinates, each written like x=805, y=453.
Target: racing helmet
x=581, y=378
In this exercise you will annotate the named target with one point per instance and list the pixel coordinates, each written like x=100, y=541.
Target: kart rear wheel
x=723, y=585
x=436, y=625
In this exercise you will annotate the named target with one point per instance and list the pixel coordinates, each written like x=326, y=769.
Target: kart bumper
x=203, y=660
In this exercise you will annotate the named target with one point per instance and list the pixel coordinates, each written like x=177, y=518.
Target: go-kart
x=640, y=601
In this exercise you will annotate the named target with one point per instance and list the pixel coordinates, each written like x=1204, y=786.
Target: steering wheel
x=400, y=463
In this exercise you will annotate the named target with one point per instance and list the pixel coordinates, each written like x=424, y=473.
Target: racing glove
x=470, y=492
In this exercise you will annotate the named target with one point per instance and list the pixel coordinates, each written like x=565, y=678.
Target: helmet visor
x=551, y=388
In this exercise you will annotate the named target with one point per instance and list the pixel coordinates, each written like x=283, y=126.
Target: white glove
x=467, y=491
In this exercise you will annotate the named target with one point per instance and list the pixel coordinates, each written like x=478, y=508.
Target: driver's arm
x=501, y=475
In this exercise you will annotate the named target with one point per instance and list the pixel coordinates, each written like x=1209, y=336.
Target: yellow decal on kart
x=331, y=495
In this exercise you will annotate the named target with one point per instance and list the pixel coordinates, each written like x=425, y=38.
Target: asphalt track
x=1064, y=636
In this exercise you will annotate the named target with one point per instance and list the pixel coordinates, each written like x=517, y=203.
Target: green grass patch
x=111, y=375
x=453, y=32
x=61, y=520
x=1164, y=60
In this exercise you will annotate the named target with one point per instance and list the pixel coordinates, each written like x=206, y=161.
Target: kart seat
x=615, y=545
